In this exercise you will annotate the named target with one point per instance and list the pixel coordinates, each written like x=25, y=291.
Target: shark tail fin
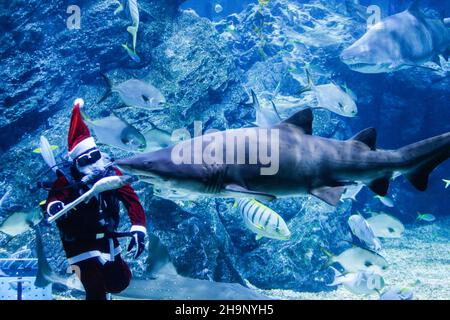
x=423, y=157
x=310, y=84
x=108, y=91
x=44, y=272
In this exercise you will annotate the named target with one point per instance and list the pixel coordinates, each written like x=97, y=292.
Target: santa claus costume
x=97, y=257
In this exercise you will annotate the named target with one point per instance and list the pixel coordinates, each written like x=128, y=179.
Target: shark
x=307, y=164
x=404, y=40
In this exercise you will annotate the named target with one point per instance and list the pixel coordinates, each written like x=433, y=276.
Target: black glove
x=54, y=207
x=139, y=240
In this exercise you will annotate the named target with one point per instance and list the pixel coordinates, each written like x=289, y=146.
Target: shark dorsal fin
x=255, y=101
x=414, y=8
x=302, y=119
x=368, y=137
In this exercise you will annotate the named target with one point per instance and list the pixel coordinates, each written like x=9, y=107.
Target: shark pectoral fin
x=330, y=195
x=380, y=186
x=240, y=191
x=368, y=137
x=302, y=119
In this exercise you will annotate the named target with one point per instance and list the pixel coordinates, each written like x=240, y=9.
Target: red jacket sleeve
x=58, y=192
x=131, y=201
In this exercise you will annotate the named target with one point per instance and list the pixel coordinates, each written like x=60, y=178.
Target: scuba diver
x=87, y=231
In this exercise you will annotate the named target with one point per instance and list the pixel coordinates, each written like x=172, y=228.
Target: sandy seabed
x=423, y=253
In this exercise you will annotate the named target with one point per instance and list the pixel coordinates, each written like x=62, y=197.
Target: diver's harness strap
x=102, y=257
x=97, y=236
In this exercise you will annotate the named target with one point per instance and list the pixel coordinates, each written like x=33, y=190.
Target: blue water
x=205, y=59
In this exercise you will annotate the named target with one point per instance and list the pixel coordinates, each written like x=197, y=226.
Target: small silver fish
x=116, y=132
x=397, y=294
x=136, y=93
x=360, y=283
x=21, y=221
x=386, y=226
x=358, y=259
x=352, y=191
x=361, y=229
x=332, y=97
x=262, y=220
x=386, y=201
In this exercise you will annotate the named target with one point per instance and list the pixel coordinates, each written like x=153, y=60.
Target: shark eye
x=148, y=163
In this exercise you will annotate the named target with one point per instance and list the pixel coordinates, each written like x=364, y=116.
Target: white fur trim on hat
x=139, y=229
x=82, y=147
x=79, y=101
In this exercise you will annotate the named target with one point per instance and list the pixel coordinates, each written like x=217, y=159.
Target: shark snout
x=348, y=56
x=130, y=165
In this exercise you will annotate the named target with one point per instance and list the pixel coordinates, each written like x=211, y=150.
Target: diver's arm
x=135, y=210
x=137, y=217
x=58, y=195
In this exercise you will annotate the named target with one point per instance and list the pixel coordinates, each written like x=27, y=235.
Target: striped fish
x=134, y=12
x=262, y=220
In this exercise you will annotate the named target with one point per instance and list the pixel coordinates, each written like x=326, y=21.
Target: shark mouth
x=356, y=66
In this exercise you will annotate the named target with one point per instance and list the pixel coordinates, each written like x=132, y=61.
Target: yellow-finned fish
x=262, y=220
x=447, y=183
x=357, y=259
x=21, y=221
x=427, y=217
x=133, y=55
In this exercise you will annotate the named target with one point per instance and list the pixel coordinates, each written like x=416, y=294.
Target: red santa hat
x=79, y=139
